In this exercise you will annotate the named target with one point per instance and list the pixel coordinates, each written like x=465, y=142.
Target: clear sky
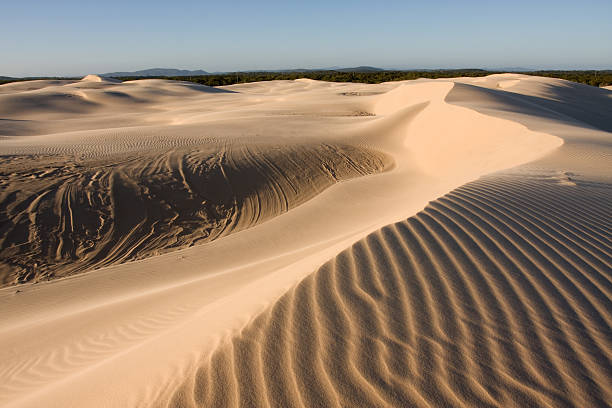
x=80, y=37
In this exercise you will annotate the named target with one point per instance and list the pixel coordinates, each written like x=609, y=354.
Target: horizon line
x=321, y=69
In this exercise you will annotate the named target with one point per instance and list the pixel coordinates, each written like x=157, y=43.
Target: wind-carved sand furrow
x=543, y=302
x=472, y=302
x=370, y=320
x=451, y=215
x=246, y=352
x=548, y=254
x=281, y=198
x=471, y=324
x=574, y=234
x=586, y=252
x=53, y=364
x=395, y=316
x=330, y=390
x=426, y=318
x=540, y=279
x=506, y=272
x=492, y=320
x=455, y=362
x=339, y=326
x=311, y=375
x=450, y=329
x=366, y=318
x=585, y=267
x=407, y=330
x=291, y=342
x=556, y=297
x=280, y=387
x=538, y=202
x=130, y=207
x=590, y=223
x=580, y=258
x=535, y=206
x=567, y=287
x=547, y=187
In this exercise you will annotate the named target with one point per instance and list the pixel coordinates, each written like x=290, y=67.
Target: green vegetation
x=6, y=80
x=330, y=76
x=594, y=78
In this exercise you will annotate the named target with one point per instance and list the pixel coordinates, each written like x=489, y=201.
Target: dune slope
x=420, y=243
x=60, y=216
x=497, y=294
x=110, y=187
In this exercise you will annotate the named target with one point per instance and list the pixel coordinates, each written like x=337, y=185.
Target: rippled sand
x=302, y=243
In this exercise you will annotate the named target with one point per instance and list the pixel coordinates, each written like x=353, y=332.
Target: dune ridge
x=497, y=293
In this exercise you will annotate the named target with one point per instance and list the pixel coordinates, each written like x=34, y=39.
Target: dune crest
x=497, y=294
x=92, y=78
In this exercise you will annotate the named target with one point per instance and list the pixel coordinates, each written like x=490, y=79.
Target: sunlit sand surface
x=306, y=244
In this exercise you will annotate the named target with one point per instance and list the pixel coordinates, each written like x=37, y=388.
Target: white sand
x=496, y=294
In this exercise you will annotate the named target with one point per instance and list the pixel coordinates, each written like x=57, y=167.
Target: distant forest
x=594, y=78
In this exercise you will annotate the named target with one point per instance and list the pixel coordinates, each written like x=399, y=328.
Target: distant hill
x=359, y=69
x=337, y=69
x=155, y=72
x=172, y=72
x=5, y=79
x=513, y=69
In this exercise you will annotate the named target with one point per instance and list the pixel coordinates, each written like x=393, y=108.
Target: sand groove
x=497, y=294
x=51, y=363
x=98, y=213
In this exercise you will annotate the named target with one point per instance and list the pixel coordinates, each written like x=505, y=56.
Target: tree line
x=591, y=77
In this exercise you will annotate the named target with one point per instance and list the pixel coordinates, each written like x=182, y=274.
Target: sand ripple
x=61, y=215
x=497, y=294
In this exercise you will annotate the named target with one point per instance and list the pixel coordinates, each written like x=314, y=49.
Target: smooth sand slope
x=317, y=278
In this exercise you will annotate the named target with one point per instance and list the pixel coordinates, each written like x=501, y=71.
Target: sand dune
x=497, y=294
x=81, y=200
x=421, y=243
x=70, y=217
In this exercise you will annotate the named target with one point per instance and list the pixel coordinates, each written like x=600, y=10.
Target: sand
x=302, y=243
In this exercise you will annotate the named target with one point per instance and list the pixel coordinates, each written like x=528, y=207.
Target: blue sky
x=80, y=37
